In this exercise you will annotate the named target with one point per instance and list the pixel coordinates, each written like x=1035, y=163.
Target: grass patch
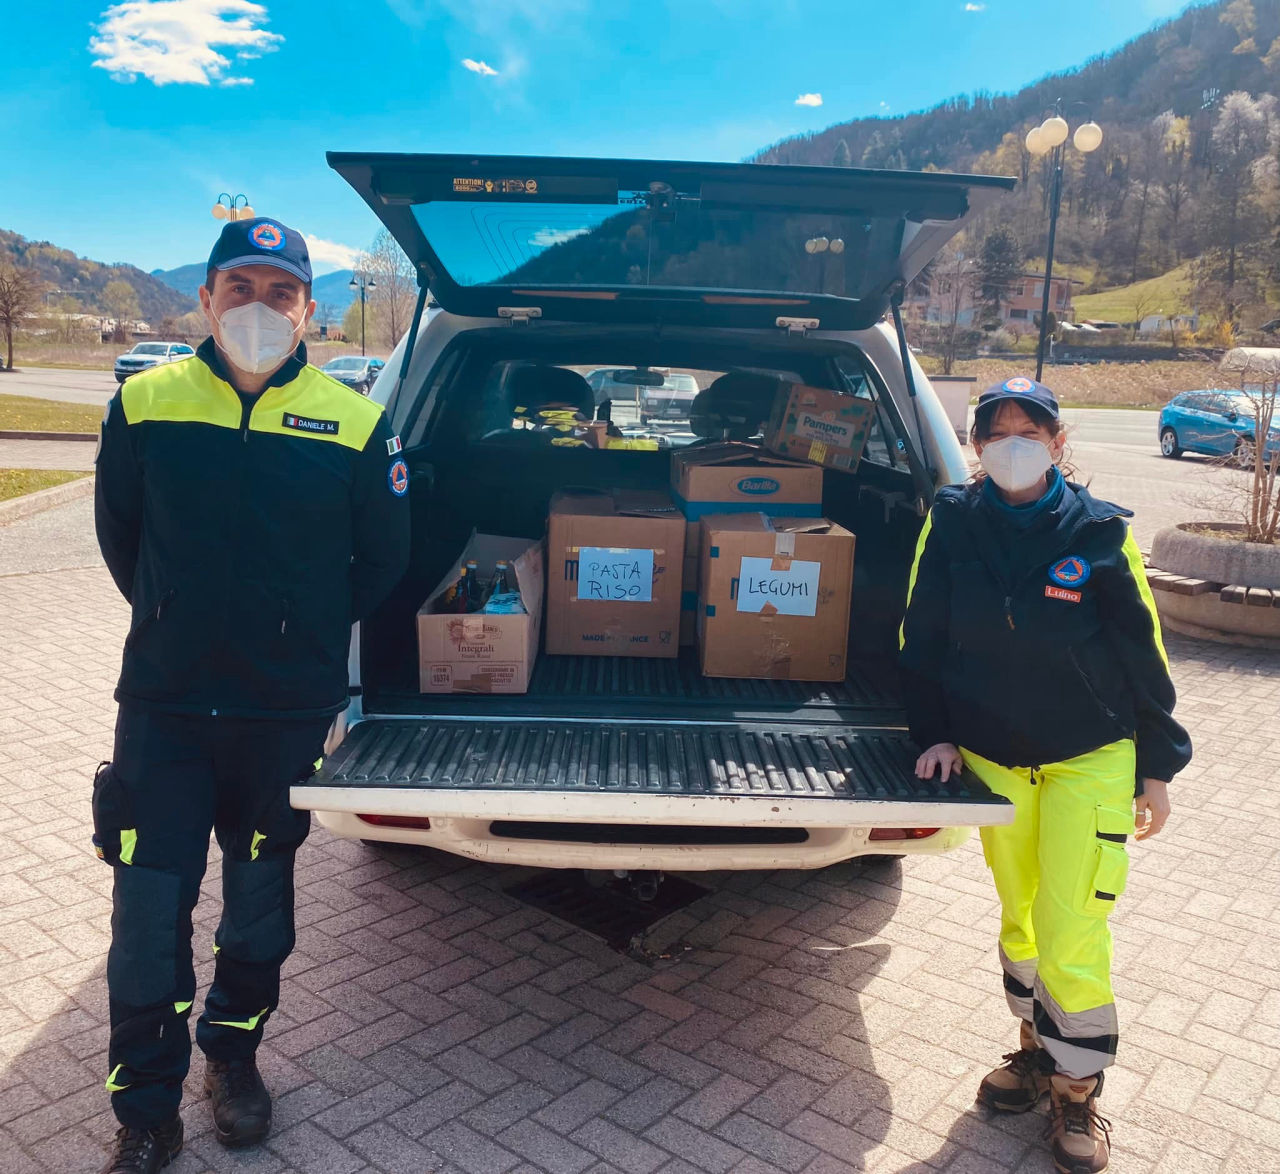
x=1170, y=293
x=1103, y=385
x=22, y=413
x=19, y=482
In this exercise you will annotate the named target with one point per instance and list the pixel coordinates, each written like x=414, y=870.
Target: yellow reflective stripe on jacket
x=915, y=569
x=316, y=396
x=258, y=837
x=181, y=1008
x=182, y=392
x=1134, y=558
x=128, y=842
x=111, y=1084
x=243, y=1024
x=189, y=392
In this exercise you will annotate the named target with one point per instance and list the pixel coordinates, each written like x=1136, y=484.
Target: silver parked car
x=149, y=354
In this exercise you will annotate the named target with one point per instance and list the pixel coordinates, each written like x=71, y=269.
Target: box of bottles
x=478, y=631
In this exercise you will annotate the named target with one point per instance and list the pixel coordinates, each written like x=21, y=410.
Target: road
x=72, y=387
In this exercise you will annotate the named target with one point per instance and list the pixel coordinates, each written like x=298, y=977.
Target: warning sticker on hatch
x=475, y=186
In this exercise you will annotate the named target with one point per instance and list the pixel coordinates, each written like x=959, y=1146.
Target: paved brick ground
x=820, y=1023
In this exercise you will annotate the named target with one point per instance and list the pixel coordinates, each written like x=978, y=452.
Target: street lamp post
x=235, y=208
x=822, y=247
x=1051, y=135
x=361, y=282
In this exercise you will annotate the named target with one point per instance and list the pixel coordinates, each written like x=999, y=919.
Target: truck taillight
x=902, y=833
x=420, y=822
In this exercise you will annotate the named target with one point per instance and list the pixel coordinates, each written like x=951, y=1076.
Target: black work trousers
x=175, y=778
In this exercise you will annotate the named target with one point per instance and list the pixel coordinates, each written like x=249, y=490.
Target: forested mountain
x=1189, y=167
x=78, y=283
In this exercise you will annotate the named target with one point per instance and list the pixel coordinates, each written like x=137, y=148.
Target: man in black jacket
x=250, y=509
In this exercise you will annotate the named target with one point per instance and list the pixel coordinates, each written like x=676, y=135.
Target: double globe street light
x=1051, y=135
x=360, y=282
x=235, y=208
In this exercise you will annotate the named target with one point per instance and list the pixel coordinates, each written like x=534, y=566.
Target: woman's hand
x=1152, y=808
x=946, y=756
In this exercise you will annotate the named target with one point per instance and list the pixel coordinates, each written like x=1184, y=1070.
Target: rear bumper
x=472, y=838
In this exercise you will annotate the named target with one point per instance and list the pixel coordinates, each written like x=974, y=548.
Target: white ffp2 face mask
x=1016, y=463
x=257, y=338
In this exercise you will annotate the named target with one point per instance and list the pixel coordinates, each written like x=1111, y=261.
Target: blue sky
x=124, y=121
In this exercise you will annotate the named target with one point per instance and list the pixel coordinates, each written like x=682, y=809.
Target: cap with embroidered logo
x=1021, y=389
x=262, y=241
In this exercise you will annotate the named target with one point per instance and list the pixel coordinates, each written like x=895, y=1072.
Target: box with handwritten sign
x=819, y=426
x=734, y=478
x=614, y=574
x=775, y=597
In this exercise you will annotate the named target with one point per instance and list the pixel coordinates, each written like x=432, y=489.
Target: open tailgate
x=750, y=774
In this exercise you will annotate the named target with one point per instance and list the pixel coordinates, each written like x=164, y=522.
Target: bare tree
x=19, y=294
x=120, y=300
x=393, y=296
x=954, y=281
x=1143, y=302
x=1258, y=372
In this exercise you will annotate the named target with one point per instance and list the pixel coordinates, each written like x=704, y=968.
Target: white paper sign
x=622, y=576
x=793, y=592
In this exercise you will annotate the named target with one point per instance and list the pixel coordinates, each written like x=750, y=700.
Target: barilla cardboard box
x=735, y=478
x=775, y=597
x=479, y=653
x=820, y=426
x=613, y=583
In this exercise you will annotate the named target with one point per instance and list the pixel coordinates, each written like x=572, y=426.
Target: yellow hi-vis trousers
x=1059, y=869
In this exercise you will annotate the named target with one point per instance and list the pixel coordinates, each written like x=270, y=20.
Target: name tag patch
x=308, y=424
x=1062, y=593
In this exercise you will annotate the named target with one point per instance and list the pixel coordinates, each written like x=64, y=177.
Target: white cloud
x=809, y=100
x=480, y=67
x=971, y=7
x=177, y=41
x=327, y=256
x=544, y=238
x=884, y=105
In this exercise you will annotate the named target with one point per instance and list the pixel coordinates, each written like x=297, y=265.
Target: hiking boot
x=1022, y=1080
x=1081, y=1137
x=241, y=1103
x=143, y=1151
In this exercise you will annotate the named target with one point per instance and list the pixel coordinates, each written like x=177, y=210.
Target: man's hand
x=1152, y=808
x=946, y=756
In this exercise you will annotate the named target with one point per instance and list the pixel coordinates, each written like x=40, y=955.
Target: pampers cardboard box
x=478, y=652
x=729, y=479
x=775, y=597
x=613, y=585
x=821, y=426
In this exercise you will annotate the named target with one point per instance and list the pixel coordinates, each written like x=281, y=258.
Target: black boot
x=143, y=1151
x=241, y=1103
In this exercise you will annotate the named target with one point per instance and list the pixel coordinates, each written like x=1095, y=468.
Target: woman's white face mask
x=1016, y=463
x=256, y=338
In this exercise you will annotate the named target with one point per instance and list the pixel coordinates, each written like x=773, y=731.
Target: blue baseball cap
x=1022, y=389
x=262, y=241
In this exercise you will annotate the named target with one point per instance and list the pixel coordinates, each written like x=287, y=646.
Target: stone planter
x=1223, y=566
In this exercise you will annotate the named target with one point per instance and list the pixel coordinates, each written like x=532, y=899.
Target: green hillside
x=1170, y=293
x=83, y=281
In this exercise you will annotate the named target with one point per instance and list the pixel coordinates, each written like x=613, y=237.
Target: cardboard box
x=735, y=478
x=613, y=588
x=480, y=653
x=775, y=598
x=820, y=426
x=741, y=478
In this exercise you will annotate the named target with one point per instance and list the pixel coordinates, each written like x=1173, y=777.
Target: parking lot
x=816, y=1023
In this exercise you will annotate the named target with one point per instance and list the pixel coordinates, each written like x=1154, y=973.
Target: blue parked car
x=1216, y=423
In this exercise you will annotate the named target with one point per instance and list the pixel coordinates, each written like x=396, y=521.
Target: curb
x=77, y=436
x=44, y=499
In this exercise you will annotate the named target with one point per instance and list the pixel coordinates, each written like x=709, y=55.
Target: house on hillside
x=935, y=300
x=1160, y=325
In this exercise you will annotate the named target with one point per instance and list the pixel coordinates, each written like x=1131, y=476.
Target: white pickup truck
x=626, y=764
